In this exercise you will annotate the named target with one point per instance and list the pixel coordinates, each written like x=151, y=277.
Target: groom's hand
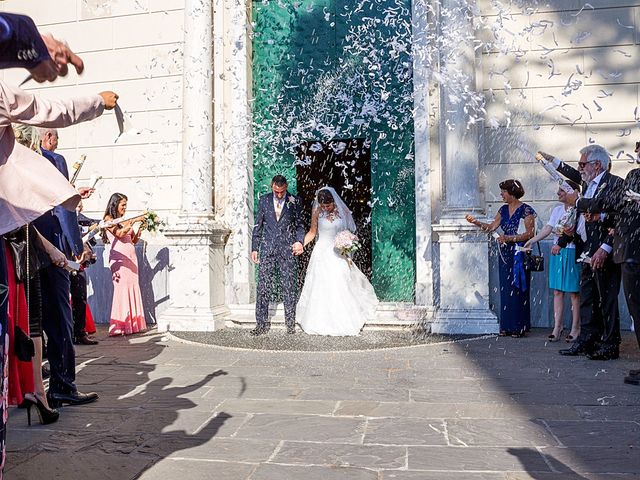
x=254, y=257
x=297, y=248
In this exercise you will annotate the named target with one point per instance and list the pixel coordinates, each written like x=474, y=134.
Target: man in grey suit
x=277, y=240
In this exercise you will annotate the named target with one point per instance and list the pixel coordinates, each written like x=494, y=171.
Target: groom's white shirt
x=278, y=203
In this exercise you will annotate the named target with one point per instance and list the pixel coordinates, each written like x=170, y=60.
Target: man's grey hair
x=597, y=153
x=42, y=131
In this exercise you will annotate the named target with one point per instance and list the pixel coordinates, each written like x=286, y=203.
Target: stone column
x=196, y=240
x=463, y=261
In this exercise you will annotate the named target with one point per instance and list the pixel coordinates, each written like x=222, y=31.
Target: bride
x=336, y=299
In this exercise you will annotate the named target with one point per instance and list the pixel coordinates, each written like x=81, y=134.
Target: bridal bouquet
x=346, y=243
x=567, y=221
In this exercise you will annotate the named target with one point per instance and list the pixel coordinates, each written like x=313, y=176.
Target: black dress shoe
x=85, y=340
x=604, y=353
x=634, y=373
x=76, y=398
x=578, y=348
x=258, y=331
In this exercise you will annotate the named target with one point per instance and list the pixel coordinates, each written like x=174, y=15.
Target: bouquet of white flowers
x=346, y=243
x=153, y=221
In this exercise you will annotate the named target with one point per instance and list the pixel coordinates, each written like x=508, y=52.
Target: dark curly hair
x=512, y=187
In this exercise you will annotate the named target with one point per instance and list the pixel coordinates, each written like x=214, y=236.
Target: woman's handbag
x=23, y=345
x=534, y=263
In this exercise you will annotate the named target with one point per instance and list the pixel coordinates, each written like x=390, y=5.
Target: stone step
x=389, y=316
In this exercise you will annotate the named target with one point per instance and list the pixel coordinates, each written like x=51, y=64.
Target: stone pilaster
x=463, y=254
x=233, y=176
x=196, y=241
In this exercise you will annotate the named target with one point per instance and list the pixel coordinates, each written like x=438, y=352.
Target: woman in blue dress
x=517, y=221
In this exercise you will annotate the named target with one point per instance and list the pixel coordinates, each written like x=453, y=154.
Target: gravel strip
x=277, y=339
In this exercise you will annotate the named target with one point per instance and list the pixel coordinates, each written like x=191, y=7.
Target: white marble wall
x=572, y=83
x=133, y=47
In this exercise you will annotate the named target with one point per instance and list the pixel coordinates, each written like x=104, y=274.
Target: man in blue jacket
x=60, y=227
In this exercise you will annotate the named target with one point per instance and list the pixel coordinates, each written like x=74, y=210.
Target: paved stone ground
x=488, y=409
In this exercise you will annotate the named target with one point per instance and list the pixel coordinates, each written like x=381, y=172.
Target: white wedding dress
x=336, y=299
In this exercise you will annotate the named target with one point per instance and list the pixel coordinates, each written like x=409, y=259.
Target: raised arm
x=486, y=227
x=313, y=230
x=19, y=106
x=120, y=230
x=567, y=170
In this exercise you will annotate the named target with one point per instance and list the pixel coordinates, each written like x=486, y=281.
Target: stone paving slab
x=478, y=459
x=405, y=431
x=198, y=470
x=488, y=409
x=289, y=407
x=499, y=433
x=312, y=428
x=288, y=472
x=343, y=455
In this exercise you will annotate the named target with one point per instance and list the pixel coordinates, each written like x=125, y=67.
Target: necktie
x=278, y=210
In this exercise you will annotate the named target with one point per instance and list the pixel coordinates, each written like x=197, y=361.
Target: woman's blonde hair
x=28, y=136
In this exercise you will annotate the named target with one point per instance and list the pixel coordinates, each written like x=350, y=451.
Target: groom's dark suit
x=273, y=239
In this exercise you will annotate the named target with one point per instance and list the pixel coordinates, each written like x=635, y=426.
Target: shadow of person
x=539, y=465
x=147, y=279
x=150, y=406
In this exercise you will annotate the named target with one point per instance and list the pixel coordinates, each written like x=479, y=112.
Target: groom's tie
x=278, y=210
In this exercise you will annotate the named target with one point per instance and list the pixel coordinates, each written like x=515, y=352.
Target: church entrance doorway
x=345, y=165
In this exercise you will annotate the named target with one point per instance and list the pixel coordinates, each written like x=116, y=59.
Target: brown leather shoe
x=85, y=340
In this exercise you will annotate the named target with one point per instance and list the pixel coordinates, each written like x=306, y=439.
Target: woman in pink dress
x=127, y=314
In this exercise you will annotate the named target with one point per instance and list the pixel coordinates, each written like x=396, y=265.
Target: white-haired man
x=600, y=278
x=627, y=249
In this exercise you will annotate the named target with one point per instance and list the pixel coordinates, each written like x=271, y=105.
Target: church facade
x=414, y=111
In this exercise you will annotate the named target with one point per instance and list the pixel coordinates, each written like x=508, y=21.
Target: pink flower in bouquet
x=345, y=240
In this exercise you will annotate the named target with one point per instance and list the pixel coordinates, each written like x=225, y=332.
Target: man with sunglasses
x=627, y=251
x=600, y=278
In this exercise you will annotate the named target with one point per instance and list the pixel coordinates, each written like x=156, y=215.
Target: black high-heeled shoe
x=45, y=415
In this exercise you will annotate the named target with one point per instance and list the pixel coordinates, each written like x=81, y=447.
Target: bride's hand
x=297, y=248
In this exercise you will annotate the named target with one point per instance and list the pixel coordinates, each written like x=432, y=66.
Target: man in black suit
x=627, y=243
x=277, y=238
x=600, y=278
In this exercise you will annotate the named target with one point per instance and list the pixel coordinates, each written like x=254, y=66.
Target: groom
x=278, y=235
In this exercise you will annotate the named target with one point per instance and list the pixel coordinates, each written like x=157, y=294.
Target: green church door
x=345, y=165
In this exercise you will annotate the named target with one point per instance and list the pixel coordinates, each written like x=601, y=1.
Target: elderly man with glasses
x=600, y=278
x=626, y=203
